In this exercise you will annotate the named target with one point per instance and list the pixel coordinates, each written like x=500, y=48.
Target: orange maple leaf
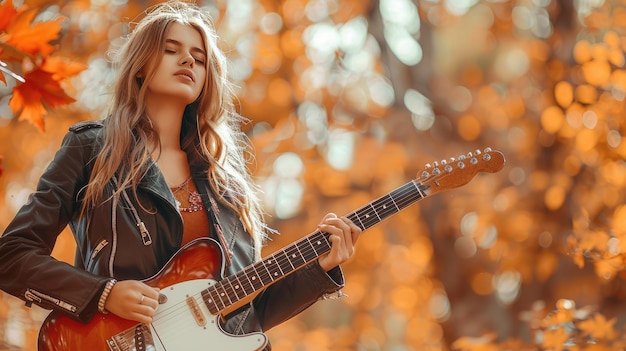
x=2, y=79
x=62, y=67
x=599, y=328
x=554, y=339
x=40, y=88
x=7, y=13
x=32, y=38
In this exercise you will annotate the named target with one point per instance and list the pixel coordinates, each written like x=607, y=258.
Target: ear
x=140, y=74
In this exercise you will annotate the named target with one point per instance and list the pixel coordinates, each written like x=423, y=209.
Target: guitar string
x=401, y=199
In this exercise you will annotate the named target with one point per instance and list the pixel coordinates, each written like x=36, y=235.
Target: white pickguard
x=175, y=328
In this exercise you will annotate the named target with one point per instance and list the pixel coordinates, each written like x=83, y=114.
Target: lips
x=186, y=73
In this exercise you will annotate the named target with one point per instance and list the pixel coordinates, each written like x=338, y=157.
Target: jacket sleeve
x=295, y=293
x=27, y=270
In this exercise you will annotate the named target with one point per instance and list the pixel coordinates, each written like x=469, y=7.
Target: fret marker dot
x=236, y=286
x=293, y=256
x=222, y=294
x=276, y=274
x=253, y=277
x=367, y=215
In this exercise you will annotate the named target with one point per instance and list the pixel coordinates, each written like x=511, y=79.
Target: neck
x=166, y=116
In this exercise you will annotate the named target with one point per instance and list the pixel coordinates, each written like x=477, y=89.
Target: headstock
x=455, y=172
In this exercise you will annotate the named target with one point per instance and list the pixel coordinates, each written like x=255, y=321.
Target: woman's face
x=182, y=70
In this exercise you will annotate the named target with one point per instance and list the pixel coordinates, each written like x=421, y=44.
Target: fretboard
x=257, y=276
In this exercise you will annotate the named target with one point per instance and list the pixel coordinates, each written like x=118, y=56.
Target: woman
x=166, y=166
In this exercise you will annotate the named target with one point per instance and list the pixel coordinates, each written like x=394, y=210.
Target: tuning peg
x=486, y=157
x=427, y=166
x=448, y=168
x=435, y=164
x=461, y=157
x=477, y=152
x=460, y=164
x=452, y=159
x=470, y=154
x=444, y=162
x=488, y=149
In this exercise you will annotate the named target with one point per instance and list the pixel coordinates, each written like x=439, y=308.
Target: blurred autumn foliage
x=25, y=55
x=349, y=99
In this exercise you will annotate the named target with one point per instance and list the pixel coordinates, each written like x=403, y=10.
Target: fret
x=263, y=274
x=284, y=262
x=394, y=202
x=367, y=216
x=266, y=274
x=215, y=298
x=224, y=294
x=354, y=216
x=246, y=284
x=295, y=256
x=253, y=277
x=376, y=213
x=320, y=245
x=417, y=188
x=235, y=288
x=386, y=206
x=209, y=301
x=273, y=267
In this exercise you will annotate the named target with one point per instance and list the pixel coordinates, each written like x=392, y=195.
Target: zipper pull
x=145, y=235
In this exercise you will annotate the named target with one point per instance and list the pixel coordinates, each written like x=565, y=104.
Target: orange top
x=195, y=219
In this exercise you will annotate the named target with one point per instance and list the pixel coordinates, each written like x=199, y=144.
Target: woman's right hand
x=133, y=300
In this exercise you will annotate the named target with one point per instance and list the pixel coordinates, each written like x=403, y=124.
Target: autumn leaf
x=554, y=339
x=30, y=105
x=62, y=67
x=33, y=39
x=599, y=328
x=40, y=87
x=7, y=13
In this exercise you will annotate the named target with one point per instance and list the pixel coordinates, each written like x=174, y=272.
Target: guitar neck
x=234, y=288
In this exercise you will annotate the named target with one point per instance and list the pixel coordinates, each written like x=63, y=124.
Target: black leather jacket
x=110, y=244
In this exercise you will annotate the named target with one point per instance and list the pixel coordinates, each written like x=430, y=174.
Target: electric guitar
x=195, y=295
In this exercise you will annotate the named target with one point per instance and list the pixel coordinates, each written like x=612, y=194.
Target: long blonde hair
x=210, y=134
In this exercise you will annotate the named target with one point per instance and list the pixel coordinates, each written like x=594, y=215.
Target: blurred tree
x=350, y=99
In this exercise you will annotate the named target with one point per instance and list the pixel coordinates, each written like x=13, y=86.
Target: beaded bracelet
x=105, y=295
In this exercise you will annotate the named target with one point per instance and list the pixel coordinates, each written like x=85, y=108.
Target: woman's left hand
x=343, y=237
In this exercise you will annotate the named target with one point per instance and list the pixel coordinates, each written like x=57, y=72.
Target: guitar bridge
x=138, y=338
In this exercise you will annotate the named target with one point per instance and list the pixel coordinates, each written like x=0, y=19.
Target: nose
x=187, y=60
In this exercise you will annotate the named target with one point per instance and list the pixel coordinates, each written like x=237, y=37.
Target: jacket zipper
x=143, y=231
x=96, y=251
x=99, y=247
x=36, y=296
x=113, y=235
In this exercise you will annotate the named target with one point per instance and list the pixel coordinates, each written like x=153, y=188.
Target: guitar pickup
x=196, y=311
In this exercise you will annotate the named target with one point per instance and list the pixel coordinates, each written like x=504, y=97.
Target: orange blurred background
x=350, y=99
